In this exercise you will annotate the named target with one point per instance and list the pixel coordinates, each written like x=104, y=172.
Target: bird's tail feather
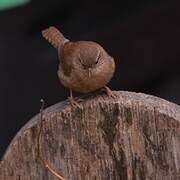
x=54, y=37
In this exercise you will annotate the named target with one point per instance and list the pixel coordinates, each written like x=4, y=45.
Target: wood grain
x=132, y=137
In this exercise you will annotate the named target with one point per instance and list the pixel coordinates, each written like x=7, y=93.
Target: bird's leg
x=109, y=92
x=72, y=101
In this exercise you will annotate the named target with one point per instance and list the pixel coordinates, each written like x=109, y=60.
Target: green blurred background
x=6, y=4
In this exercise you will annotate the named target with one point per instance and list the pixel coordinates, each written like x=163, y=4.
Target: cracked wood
x=132, y=137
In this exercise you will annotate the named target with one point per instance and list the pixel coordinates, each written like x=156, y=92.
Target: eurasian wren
x=84, y=65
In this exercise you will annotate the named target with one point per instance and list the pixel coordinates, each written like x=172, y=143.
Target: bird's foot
x=109, y=92
x=73, y=102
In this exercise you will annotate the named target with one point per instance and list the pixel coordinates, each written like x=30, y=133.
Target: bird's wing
x=66, y=58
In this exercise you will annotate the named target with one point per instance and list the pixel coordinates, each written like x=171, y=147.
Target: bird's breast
x=85, y=81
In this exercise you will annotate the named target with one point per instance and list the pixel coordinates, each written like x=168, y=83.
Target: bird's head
x=91, y=56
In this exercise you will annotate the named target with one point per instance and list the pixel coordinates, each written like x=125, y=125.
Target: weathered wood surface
x=134, y=137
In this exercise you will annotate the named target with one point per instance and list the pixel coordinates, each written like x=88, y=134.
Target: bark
x=131, y=137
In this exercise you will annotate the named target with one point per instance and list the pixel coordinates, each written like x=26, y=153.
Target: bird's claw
x=109, y=92
x=74, y=103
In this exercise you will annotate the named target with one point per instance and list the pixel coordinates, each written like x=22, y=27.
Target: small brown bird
x=84, y=65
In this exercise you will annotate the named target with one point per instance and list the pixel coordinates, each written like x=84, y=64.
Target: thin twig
x=43, y=161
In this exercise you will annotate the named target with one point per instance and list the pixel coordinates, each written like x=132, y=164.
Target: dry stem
x=40, y=154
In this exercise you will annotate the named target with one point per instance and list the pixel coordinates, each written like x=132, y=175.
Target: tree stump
x=131, y=137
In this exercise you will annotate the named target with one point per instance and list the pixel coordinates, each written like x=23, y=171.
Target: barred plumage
x=54, y=36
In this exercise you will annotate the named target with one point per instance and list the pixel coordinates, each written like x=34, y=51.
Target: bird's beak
x=89, y=72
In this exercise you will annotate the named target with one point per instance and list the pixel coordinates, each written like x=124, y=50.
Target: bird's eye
x=97, y=59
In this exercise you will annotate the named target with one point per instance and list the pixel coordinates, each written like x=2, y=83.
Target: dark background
x=143, y=36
